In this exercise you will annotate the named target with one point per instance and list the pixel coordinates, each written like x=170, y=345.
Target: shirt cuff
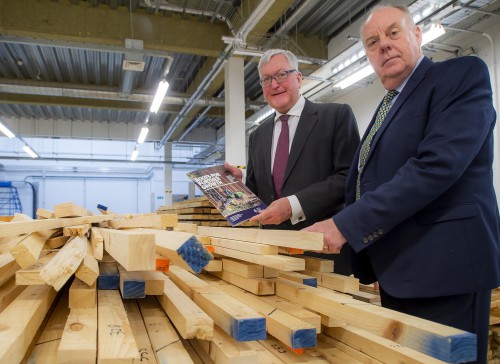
x=297, y=212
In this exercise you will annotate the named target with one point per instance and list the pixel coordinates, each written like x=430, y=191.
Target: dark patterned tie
x=281, y=156
x=365, y=148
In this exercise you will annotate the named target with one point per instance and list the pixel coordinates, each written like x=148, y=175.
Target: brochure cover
x=229, y=195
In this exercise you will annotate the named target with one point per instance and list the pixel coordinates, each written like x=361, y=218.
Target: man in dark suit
x=322, y=139
x=421, y=216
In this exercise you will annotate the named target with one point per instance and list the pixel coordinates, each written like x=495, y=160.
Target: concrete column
x=168, y=174
x=235, y=112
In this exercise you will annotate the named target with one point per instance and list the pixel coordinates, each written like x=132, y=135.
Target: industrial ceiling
x=97, y=63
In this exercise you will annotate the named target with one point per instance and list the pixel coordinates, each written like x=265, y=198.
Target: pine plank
x=145, y=221
x=8, y=267
x=300, y=278
x=31, y=274
x=28, y=250
x=88, y=271
x=140, y=334
x=64, y=264
x=310, y=355
x=442, y=342
x=116, y=342
x=79, y=339
x=96, y=243
x=8, y=292
x=76, y=230
x=70, y=210
x=108, y=276
x=82, y=295
x=245, y=246
x=56, y=242
x=166, y=344
x=134, y=250
x=242, y=268
x=132, y=285
x=214, y=265
x=44, y=213
x=21, y=320
x=224, y=349
x=187, y=317
x=257, y=286
x=319, y=264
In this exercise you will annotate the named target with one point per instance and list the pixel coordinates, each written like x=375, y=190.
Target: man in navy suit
x=322, y=141
x=421, y=216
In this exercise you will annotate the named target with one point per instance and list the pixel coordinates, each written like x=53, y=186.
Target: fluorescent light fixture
x=355, y=77
x=435, y=30
x=6, y=131
x=134, y=155
x=143, y=135
x=29, y=151
x=160, y=94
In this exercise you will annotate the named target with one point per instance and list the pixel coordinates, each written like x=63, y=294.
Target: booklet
x=229, y=195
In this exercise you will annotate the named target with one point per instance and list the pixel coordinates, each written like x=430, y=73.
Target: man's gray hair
x=378, y=7
x=290, y=57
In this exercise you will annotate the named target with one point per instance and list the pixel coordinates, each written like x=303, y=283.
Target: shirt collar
x=296, y=109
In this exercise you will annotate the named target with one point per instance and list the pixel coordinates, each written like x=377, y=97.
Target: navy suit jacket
x=320, y=156
x=427, y=223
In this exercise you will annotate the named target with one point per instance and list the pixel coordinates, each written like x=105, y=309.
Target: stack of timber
x=87, y=289
x=199, y=211
x=494, y=343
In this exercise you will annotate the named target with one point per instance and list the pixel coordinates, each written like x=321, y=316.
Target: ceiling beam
x=65, y=21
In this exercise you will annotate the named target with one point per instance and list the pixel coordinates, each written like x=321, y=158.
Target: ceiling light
x=435, y=30
x=6, y=131
x=160, y=94
x=355, y=77
x=29, y=151
x=134, y=155
x=143, y=135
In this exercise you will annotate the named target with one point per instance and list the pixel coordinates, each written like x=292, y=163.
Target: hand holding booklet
x=228, y=194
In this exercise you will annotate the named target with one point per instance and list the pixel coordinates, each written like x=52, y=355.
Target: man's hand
x=277, y=212
x=236, y=172
x=333, y=239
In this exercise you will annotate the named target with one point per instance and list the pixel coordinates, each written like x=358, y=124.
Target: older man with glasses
x=298, y=159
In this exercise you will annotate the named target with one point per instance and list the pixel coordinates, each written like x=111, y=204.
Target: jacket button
x=375, y=234
x=365, y=240
x=380, y=231
x=370, y=237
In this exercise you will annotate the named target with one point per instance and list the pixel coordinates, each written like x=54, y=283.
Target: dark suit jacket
x=427, y=223
x=321, y=153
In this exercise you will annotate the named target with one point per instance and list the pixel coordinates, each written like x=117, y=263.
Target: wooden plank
x=280, y=262
x=31, y=274
x=115, y=340
x=336, y=281
x=140, y=334
x=82, y=295
x=150, y=221
x=224, y=349
x=378, y=347
x=215, y=265
x=257, y=286
x=88, y=271
x=335, y=355
x=359, y=356
x=162, y=263
x=9, y=242
x=79, y=339
x=242, y=268
x=290, y=330
x=181, y=248
x=186, y=227
x=134, y=250
x=44, y=213
x=45, y=350
x=55, y=243
x=243, y=323
x=76, y=230
x=108, y=276
x=166, y=344
x=300, y=278
x=132, y=285
x=26, y=227
x=28, y=250
x=187, y=317
x=319, y=264
x=286, y=238
x=309, y=356
x=270, y=272
x=70, y=210
x=21, y=320
x=364, y=296
x=64, y=264
x=245, y=246
x=8, y=267
x=442, y=342
x=8, y=292
x=96, y=243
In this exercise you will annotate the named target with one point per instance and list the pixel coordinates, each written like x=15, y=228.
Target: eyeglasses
x=280, y=77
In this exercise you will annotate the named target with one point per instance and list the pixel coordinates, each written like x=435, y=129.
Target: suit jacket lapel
x=412, y=83
x=307, y=121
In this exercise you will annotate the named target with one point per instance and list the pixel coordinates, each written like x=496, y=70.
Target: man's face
x=392, y=45
x=281, y=96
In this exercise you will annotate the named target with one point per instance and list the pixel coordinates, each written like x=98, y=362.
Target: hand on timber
x=333, y=239
x=277, y=212
x=235, y=171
